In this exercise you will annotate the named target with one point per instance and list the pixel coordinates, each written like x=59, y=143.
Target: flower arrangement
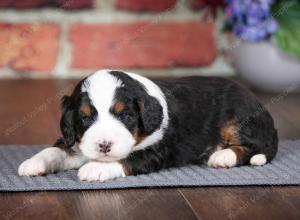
x=256, y=20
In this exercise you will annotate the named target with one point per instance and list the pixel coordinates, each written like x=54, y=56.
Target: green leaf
x=287, y=14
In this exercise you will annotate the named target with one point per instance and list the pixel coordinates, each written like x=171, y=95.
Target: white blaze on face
x=101, y=89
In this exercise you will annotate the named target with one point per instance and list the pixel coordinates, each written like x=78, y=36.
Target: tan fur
x=119, y=107
x=230, y=138
x=86, y=109
x=240, y=151
x=230, y=134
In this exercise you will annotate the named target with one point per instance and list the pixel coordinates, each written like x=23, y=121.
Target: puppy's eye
x=86, y=119
x=123, y=117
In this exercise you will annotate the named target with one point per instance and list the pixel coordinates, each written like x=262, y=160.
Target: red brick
x=29, y=46
x=75, y=4
x=199, y=4
x=67, y=4
x=28, y=3
x=143, y=44
x=5, y=3
x=145, y=5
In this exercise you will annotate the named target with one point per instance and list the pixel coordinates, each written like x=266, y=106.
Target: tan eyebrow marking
x=119, y=107
x=86, y=109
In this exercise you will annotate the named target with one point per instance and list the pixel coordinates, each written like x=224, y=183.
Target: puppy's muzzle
x=105, y=146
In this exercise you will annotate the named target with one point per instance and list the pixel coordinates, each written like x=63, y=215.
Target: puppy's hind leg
x=51, y=160
x=254, y=144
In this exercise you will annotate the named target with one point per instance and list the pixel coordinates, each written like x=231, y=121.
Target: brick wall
x=70, y=38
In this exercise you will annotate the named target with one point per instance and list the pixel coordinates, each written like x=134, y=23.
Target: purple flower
x=251, y=19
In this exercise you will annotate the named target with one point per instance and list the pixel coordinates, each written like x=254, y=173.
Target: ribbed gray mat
x=284, y=170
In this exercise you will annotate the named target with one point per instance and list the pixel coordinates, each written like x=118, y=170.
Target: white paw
x=222, y=159
x=34, y=166
x=100, y=171
x=258, y=160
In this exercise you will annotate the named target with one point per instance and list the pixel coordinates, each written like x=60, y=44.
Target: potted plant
x=268, y=52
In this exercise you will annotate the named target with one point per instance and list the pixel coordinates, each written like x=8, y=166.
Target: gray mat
x=284, y=170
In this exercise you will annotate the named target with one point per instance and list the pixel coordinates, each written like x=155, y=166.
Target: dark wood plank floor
x=29, y=114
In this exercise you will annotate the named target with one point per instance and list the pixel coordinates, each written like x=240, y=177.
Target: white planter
x=266, y=67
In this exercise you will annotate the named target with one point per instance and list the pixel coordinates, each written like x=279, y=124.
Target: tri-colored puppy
x=117, y=124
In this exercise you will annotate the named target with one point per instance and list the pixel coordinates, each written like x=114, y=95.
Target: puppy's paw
x=34, y=166
x=225, y=158
x=100, y=171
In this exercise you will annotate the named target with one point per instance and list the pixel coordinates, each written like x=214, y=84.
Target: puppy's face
x=108, y=114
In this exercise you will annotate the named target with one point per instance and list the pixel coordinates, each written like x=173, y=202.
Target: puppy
x=117, y=124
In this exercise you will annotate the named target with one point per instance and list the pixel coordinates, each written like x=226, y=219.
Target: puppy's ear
x=67, y=122
x=151, y=115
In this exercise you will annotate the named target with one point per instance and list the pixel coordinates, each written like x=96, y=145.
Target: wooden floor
x=29, y=114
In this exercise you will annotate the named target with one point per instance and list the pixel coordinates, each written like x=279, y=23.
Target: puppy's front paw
x=222, y=159
x=100, y=171
x=34, y=166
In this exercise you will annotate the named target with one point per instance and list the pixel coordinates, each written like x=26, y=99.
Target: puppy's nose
x=105, y=147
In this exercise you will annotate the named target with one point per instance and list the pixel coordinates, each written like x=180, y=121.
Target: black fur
x=151, y=114
x=198, y=108
x=142, y=111
x=67, y=122
x=73, y=122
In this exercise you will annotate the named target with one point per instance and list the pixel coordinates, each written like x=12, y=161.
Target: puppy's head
x=109, y=114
